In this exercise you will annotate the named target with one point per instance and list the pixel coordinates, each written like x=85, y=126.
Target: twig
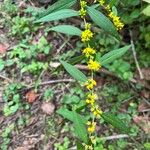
x=114, y=137
x=145, y=110
x=135, y=58
x=62, y=46
x=83, y=67
x=5, y=78
x=51, y=82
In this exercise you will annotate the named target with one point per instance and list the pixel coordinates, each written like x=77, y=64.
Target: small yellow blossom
x=108, y=8
x=93, y=140
x=91, y=99
x=96, y=111
x=86, y=35
x=88, y=147
x=102, y=2
x=90, y=84
x=82, y=12
x=87, y=26
x=116, y=20
x=83, y=4
x=93, y=65
x=91, y=126
x=88, y=51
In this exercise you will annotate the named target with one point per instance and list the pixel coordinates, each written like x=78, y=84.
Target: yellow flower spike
x=90, y=84
x=93, y=65
x=86, y=35
x=116, y=20
x=88, y=52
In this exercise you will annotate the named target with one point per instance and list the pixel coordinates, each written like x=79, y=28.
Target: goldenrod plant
x=109, y=21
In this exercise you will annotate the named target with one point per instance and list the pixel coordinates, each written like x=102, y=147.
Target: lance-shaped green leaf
x=76, y=59
x=112, y=55
x=115, y=122
x=61, y=14
x=80, y=128
x=70, y=115
x=78, y=121
x=79, y=146
x=67, y=29
x=74, y=72
x=102, y=21
x=59, y=5
x=146, y=11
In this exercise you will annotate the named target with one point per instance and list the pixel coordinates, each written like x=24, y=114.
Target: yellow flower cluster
x=101, y=2
x=91, y=126
x=83, y=11
x=92, y=138
x=96, y=111
x=116, y=20
x=87, y=147
x=91, y=98
x=89, y=52
x=86, y=35
x=93, y=65
x=90, y=84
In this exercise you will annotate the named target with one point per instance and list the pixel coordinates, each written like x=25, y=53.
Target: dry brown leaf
x=3, y=48
x=31, y=96
x=145, y=93
x=143, y=122
x=48, y=108
x=142, y=107
x=21, y=148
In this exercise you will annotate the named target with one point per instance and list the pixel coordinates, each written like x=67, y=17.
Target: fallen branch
x=50, y=82
x=114, y=137
x=84, y=67
x=5, y=78
x=135, y=57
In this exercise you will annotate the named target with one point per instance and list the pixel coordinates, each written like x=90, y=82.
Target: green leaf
x=67, y=29
x=148, y=1
x=113, y=55
x=76, y=59
x=59, y=5
x=61, y=14
x=115, y=122
x=146, y=11
x=2, y=64
x=74, y=72
x=80, y=128
x=79, y=146
x=70, y=115
x=112, y=2
x=102, y=21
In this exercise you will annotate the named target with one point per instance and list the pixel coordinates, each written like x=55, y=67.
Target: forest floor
x=34, y=86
